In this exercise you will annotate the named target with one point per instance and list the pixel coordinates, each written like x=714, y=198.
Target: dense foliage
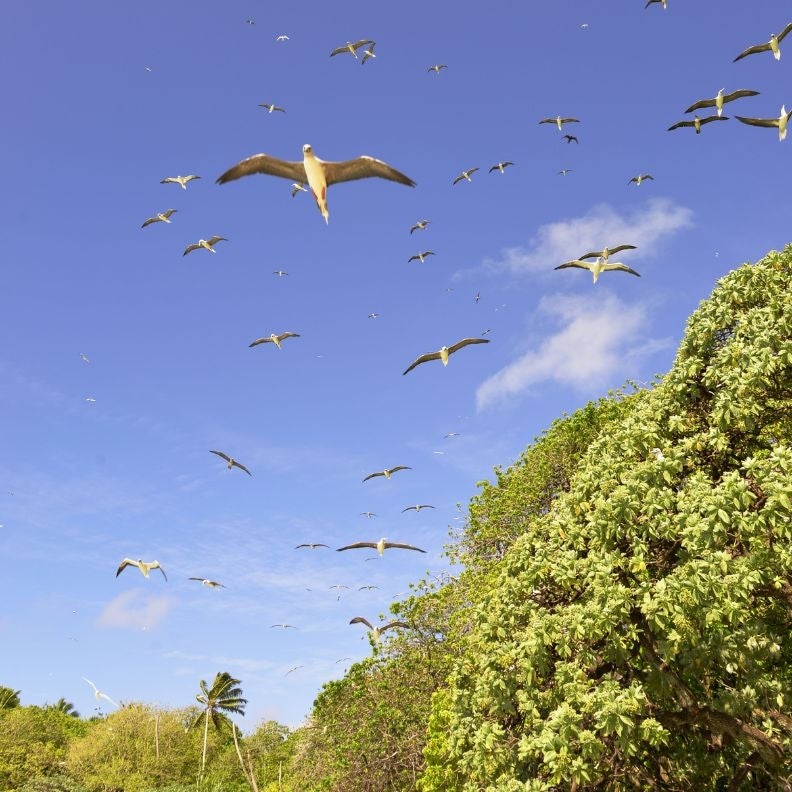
x=621, y=620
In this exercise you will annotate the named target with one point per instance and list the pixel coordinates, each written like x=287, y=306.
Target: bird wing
x=363, y=167
x=611, y=251
x=122, y=566
x=398, y=467
x=150, y=220
x=402, y=546
x=738, y=94
x=466, y=342
x=221, y=454
x=362, y=620
x=389, y=625
x=190, y=248
x=713, y=118
x=373, y=475
x=458, y=179
x=96, y=690
x=241, y=467
x=760, y=122
x=358, y=545
x=681, y=124
x=263, y=163
x=156, y=565
x=548, y=121
x=577, y=263
x=169, y=180
x=169, y=212
x=408, y=509
x=215, y=239
x=570, y=120
x=422, y=359
x=780, y=36
x=646, y=176
x=288, y=335
x=753, y=50
x=260, y=341
x=621, y=267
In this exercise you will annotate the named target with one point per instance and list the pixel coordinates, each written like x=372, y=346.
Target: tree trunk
x=206, y=736
x=156, y=735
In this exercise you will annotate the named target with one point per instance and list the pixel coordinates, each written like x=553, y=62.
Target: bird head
x=307, y=149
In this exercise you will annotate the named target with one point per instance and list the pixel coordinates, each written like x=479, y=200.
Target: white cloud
x=600, y=338
x=135, y=608
x=563, y=240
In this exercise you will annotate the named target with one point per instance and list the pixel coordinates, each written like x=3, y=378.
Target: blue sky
x=88, y=133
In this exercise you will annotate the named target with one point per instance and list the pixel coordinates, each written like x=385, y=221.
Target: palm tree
x=66, y=707
x=9, y=698
x=222, y=698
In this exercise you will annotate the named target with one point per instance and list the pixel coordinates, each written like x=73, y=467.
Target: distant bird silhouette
x=570, y=138
x=376, y=632
x=368, y=53
x=388, y=472
x=161, y=217
x=598, y=267
x=144, y=567
x=98, y=693
x=465, y=175
x=605, y=253
x=381, y=546
x=444, y=352
x=206, y=244
x=559, y=122
x=697, y=122
x=271, y=108
x=274, y=339
x=436, y=69
x=208, y=583
x=418, y=507
x=312, y=545
x=500, y=166
x=421, y=256
x=419, y=226
x=351, y=47
x=231, y=462
x=180, y=180
x=641, y=177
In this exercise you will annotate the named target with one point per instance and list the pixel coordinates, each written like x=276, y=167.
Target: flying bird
x=570, y=138
x=500, y=166
x=564, y=171
x=293, y=669
x=421, y=256
x=641, y=177
x=559, y=122
x=771, y=45
x=280, y=273
x=180, y=180
x=231, y=462
x=282, y=37
x=351, y=47
x=465, y=175
x=271, y=108
x=367, y=588
x=444, y=352
x=376, y=632
x=373, y=315
x=312, y=545
x=84, y=358
x=436, y=69
x=597, y=267
x=420, y=226
x=274, y=339
x=697, y=122
x=161, y=217
x=208, y=583
x=664, y=3
x=387, y=473
x=144, y=567
x=298, y=188
x=418, y=507
x=381, y=546
x=206, y=244
x=606, y=252
x=317, y=173
x=368, y=514
x=98, y=693
x=283, y=626
x=720, y=100
x=368, y=53
x=452, y=434
x=781, y=122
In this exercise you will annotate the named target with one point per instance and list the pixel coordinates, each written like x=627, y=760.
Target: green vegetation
x=622, y=619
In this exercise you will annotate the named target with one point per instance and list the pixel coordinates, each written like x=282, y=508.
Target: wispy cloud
x=599, y=339
x=135, y=608
x=556, y=242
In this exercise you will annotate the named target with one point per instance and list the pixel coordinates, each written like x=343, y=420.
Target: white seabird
x=697, y=122
x=720, y=99
x=466, y=174
x=160, y=217
x=206, y=244
x=597, y=267
x=641, y=177
x=771, y=45
x=271, y=108
x=781, y=122
x=352, y=47
x=274, y=339
x=317, y=173
x=437, y=67
x=180, y=180
x=143, y=566
x=559, y=122
x=444, y=352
